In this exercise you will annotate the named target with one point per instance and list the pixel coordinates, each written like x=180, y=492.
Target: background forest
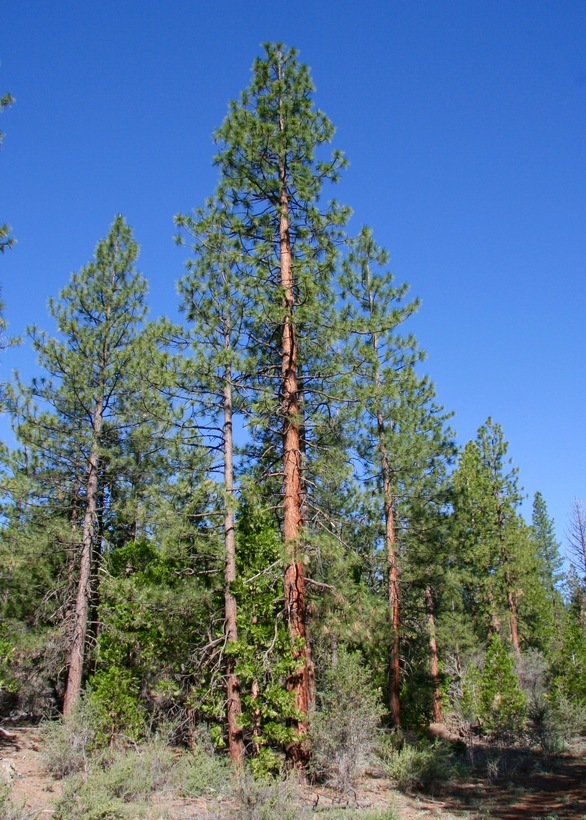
x=255, y=525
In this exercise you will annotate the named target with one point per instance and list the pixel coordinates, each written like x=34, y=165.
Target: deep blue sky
x=464, y=122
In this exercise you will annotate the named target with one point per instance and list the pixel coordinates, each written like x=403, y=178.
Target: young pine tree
x=399, y=431
x=494, y=548
x=92, y=385
x=549, y=569
x=216, y=305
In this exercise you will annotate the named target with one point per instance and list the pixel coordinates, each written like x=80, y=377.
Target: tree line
x=202, y=521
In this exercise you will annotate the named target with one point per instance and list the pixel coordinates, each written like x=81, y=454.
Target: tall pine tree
x=271, y=181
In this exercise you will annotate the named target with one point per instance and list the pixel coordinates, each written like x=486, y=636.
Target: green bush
x=557, y=722
x=69, y=743
x=427, y=768
x=491, y=695
x=503, y=706
x=267, y=799
x=201, y=772
x=114, y=698
x=344, y=728
x=119, y=785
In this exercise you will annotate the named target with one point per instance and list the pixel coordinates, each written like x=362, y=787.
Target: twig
x=263, y=572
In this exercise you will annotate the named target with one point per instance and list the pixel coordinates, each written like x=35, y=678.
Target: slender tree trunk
x=72, y=557
x=433, y=660
x=234, y=707
x=513, y=617
x=254, y=695
x=391, y=557
x=84, y=586
x=294, y=576
x=393, y=583
x=514, y=620
x=495, y=621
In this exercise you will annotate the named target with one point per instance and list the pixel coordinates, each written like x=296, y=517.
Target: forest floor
x=517, y=784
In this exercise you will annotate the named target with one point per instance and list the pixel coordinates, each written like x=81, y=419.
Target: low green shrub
x=119, y=784
x=70, y=742
x=557, y=723
x=201, y=772
x=267, y=799
x=427, y=768
x=388, y=813
x=344, y=728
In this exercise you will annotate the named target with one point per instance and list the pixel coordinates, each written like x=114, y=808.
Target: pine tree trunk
x=73, y=555
x=391, y=557
x=84, y=585
x=294, y=577
x=255, y=723
x=513, y=617
x=495, y=621
x=234, y=707
x=393, y=593
x=513, y=620
x=433, y=659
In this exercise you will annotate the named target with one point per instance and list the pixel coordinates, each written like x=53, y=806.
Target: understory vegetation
x=245, y=548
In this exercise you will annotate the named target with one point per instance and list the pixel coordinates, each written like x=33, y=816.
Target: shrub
x=201, y=772
x=119, y=785
x=388, y=813
x=114, y=698
x=344, y=729
x=68, y=743
x=428, y=768
x=266, y=799
x=556, y=723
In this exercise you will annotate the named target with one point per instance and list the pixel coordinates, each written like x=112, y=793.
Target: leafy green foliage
x=492, y=695
x=151, y=604
x=264, y=651
x=502, y=703
x=114, y=697
x=426, y=767
x=570, y=669
x=6, y=653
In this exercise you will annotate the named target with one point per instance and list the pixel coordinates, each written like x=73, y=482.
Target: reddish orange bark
x=294, y=576
x=391, y=557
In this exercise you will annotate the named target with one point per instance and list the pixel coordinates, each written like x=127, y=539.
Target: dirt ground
x=527, y=787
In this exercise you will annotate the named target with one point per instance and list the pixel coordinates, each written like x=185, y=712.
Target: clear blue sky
x=464, y=122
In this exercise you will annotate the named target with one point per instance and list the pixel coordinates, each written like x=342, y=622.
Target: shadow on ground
x=515, y=783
